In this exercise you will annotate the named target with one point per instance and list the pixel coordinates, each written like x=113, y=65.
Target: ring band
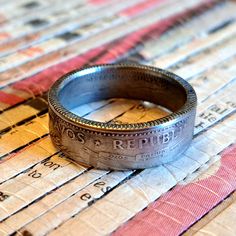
x=122, y=146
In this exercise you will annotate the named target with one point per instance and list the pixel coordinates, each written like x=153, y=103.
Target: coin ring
x=122, y=146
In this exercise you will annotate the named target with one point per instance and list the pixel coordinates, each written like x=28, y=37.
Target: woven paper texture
x=42, y=192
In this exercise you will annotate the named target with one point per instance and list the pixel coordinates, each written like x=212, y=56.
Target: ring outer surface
x=122, y=146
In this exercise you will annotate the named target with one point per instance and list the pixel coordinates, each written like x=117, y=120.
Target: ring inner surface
x=94, y=84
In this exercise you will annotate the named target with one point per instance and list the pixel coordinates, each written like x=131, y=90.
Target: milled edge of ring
x=132, y=133
x=86, y=124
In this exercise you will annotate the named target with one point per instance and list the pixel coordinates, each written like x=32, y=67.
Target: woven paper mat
x=43, y=192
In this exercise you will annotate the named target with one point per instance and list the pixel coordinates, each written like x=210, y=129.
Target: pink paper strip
x=178, y=209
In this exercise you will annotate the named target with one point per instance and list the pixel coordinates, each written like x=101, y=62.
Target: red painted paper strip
x=42, y=81
x=10, y=99
x=141, y=7
x=178, y=209
x=153, y=30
